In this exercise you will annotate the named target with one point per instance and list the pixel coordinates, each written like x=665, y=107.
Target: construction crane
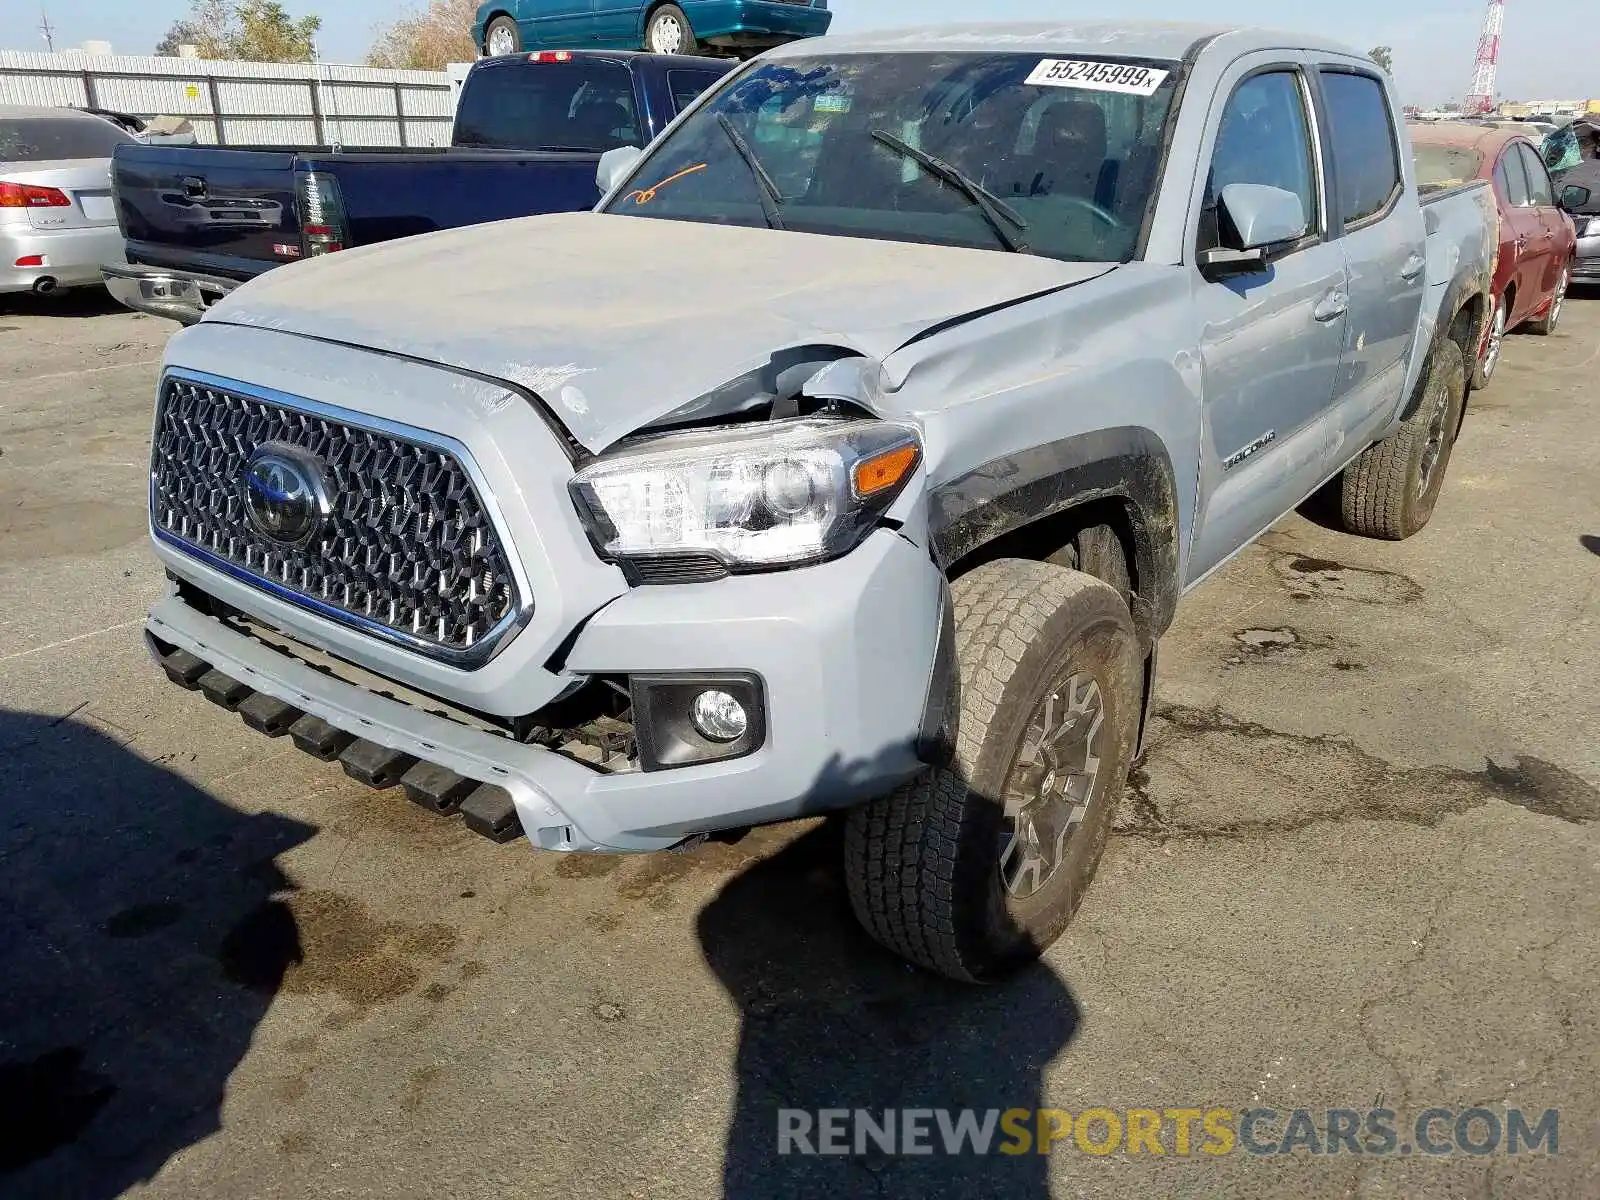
x=1481, y=98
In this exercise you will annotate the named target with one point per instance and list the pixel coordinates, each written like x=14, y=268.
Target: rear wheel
x=502, y=37
x=669, y=32
x=975, y=869
x=1390, y=491
x=1546, y=325
x=1492, y=348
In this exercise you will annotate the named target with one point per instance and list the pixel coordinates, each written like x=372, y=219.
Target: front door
x=1554, y=242
x=1385, y=247
x=1270, y=341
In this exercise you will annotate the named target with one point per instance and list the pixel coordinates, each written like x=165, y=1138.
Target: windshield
x=1058, y=157
x=48, y=139
x=582, y=105
x=1441, y=167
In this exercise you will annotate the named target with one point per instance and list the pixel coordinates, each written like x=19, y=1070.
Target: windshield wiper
x=995, y=210
x=771, y=198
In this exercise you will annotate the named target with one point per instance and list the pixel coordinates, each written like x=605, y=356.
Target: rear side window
x=1513, y=178
x=1540, y=192
x=1365, y=153
x=586, y=105
x=687, y=85
x=45, y=139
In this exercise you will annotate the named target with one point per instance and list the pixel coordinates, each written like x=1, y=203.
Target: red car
x=1537, y=240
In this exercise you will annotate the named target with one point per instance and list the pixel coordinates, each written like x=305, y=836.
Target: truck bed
x=233, y=213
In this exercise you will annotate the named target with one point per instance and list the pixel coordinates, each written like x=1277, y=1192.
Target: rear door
x=1527, y=237
x=617, y=22
x=1385, y=249
x=62, y=166
x=1270, y=341
x=228, y=211
x=560, y=24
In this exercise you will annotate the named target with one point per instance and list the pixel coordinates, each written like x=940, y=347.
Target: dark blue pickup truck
x=529, y=133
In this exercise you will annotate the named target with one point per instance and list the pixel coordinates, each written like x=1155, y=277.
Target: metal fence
x=244, y=104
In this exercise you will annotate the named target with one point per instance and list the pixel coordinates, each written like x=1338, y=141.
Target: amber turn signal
x=884, y=471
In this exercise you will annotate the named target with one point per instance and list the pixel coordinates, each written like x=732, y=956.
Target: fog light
x=719, y=716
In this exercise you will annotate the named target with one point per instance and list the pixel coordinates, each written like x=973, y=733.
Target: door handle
x=1415, y=265
x=1332, y=306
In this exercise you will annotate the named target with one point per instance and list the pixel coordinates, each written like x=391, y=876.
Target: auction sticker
x=1097, y=76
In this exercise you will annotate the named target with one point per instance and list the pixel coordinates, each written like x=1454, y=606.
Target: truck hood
x=618, y=321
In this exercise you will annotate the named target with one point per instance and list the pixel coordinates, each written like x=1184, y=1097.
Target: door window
x=687, y=85
x=1264, y=138
x=1512, y=176
x=1366, y=154
x=1540, y=192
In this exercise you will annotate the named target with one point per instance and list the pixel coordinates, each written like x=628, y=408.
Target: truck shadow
x=829, y=1020
x=76, y=302
x=124, y=892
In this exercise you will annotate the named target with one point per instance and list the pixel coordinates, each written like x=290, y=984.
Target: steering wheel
x=1103, y=215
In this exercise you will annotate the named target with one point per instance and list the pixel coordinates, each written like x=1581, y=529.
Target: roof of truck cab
x=1141, y=39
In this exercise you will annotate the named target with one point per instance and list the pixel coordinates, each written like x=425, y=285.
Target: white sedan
x=58, y=222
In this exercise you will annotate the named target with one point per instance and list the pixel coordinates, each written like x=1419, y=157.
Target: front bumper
x=72, y=257
x=181, y=296
x=1587, y=267
x=846, y=653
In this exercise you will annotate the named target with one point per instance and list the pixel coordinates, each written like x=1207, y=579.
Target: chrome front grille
x=407, y=549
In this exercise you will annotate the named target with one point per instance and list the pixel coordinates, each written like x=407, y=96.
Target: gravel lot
x=1358, y=868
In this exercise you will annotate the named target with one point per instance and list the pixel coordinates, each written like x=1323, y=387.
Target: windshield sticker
x=645, y=195
x=1097, y=76
x=831, y=102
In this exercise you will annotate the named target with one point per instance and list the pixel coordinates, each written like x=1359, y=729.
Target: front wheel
x=669, y=32
x=1546, y=325
x=502, y=37
x=973, y=870
x=1391, y=489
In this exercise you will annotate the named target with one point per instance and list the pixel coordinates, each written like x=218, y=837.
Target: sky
x=1548, y=51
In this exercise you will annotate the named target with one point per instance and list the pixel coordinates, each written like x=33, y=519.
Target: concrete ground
x=1359, y=869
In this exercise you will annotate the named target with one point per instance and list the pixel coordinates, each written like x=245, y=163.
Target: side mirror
x=1574, y=197
x=1253, y=217
x=615, y=165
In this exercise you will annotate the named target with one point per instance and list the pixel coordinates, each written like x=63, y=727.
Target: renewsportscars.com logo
x=1174, y=1132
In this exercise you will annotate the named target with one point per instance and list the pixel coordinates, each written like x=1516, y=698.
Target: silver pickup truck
x=854, y=454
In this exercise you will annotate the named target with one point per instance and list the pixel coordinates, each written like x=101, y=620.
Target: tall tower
x=1481, y=98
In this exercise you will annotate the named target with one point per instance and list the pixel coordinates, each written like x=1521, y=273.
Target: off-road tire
x=923, y=864
x=1382, y=491
x=659, y=16
x=502, y=23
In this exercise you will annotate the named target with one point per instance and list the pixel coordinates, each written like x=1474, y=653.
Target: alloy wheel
x=1048, y=791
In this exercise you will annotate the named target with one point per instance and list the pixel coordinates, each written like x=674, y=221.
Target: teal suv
x=727, y=26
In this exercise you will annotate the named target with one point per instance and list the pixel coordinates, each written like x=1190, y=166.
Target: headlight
x=755, y=497
x=1588, y=226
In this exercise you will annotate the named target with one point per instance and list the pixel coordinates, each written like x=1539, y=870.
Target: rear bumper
x=755, y=22
x=181, y=296
x=72, y=257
